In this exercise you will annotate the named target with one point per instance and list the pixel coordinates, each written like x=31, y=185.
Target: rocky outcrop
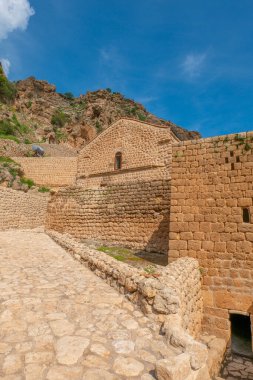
x=54, y=117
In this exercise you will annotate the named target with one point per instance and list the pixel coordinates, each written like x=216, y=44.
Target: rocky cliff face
x=55, y=117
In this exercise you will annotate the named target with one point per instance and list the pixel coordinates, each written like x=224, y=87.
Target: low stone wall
x=49, y=171
x=22, y=210
x=133, y=215
x=172, y=299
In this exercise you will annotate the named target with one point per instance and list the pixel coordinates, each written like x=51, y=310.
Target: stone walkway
x=58, y=321
x=237, y=367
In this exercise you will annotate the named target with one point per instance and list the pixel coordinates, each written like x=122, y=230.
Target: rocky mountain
x=35, y=112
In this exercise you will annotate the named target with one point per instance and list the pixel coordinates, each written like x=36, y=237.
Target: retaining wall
x=22, y=210
x=49, y=171
x=134, y=215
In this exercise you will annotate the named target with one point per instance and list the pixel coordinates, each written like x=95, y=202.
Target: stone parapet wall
x=22, y=210
x=133, y=215
x=49, y=171
x=212, y=182
x=161, y=299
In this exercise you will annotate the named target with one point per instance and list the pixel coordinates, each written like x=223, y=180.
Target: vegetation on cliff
x=7, y=88
x=55, y=117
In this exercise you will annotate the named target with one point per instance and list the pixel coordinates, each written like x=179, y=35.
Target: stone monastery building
x=137, y=185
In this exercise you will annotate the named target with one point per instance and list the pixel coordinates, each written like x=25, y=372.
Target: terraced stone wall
x=212, y=220
x=49, y=171
x=134, y=215
x=22, y=210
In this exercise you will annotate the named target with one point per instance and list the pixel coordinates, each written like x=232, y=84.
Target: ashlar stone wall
x=22, y=210
x=134, y=215
x=212, y=193
x=49, y=171
x=146, y=154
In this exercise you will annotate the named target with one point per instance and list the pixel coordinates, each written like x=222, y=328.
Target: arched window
x=118, y=161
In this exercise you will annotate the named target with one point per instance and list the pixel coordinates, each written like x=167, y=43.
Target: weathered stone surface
x=12, y=364
x=62, y=327
x=123, y=346
x=70, y=348
x=64, y=373
x=173, y=369
x=98, y=374
x=127, y=366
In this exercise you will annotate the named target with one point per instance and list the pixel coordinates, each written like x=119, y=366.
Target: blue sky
x=188, y=61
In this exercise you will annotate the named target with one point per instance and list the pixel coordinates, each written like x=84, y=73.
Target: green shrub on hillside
x=7, y=89
x=59, y=118
x=27, y=181
x=60, y=136
x=9, y=137
x=68, y=95
x=11, y=129
x=43, y=189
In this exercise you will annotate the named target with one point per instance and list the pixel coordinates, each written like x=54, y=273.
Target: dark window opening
x=237, y=159
x=241, y=338
x=231, y=154
x=226, y=160
x=232, y=166
x=118, y=161
x=246, y=215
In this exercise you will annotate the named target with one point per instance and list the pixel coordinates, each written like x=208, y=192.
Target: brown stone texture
x=9, y=148
x=22, y=210
x=135, y=215
x=146, y=154
x=212, y=181
x=49, y=171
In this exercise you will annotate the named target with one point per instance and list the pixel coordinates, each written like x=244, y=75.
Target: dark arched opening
x=246, y=215
x=118, y=161
x=241, y=338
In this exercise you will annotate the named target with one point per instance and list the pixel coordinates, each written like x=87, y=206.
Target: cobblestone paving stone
x=237, y=367
x=58, y=321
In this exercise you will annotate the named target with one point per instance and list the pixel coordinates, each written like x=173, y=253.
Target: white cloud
x=6, y=65
x=14, y=14
x=193, y=64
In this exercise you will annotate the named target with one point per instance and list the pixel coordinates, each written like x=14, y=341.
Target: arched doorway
x=241, y=337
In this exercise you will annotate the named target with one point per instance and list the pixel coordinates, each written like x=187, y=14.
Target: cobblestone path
x=237, y=367
x=58, y=321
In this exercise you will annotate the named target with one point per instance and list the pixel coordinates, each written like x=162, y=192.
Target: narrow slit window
x=118, y=161
x=226, y=160
x=232, y=166
x=246, y=215
x=231, y=154
x=237, y=159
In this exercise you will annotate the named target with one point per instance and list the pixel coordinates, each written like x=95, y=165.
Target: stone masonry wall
x=212, y=182
x=134, y=215
x=49, y=171
x=22, y=210
x=146, y=154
